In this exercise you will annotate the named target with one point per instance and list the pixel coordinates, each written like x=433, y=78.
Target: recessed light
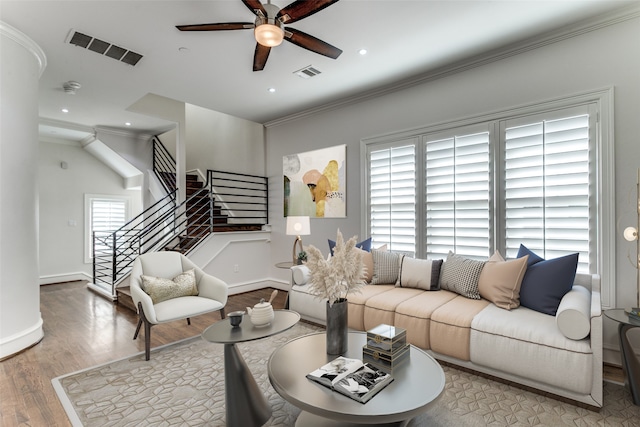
x=362, y=52
x=271, y=89
x=64, y=110
x=127, y=124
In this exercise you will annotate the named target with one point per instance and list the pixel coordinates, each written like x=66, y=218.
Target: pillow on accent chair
x=546, y=281
x=386, y=267
x=365, y=245
x=460, y=275
x=420, y=273
x=500, y=280
x=160, y=289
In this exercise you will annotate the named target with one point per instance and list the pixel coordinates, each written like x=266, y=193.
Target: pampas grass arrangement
x=338, y=275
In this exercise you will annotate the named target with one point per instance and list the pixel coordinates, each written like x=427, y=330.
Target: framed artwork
x=315, y=183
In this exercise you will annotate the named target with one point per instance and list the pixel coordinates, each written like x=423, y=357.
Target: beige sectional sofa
x=521, y=345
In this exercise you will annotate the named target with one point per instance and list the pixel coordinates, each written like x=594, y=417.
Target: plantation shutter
x=547, y=168
x=457, y=186
x=106, y=215
x=392, y=198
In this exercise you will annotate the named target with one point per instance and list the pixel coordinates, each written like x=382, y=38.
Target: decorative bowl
x=235, y=318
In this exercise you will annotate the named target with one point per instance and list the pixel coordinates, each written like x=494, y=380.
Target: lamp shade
x=298, y=226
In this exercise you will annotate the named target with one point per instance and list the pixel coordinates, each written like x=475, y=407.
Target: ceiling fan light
x=269, y=35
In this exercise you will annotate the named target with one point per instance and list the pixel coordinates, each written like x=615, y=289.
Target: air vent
x=307, y=72
x=103, y=48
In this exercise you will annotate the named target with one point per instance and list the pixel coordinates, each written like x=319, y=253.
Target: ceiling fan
x=269, y=30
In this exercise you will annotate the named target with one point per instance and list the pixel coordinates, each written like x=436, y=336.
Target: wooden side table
x=630, y=362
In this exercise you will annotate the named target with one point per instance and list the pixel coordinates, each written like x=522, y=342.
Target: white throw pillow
x=574, y=313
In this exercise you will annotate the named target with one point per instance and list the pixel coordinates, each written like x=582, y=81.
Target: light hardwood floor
x=82, y=330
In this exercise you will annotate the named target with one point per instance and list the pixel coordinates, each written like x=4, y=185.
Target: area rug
x=183, y=385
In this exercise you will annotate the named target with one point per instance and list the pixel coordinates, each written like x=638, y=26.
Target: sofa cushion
x=420, y=273
x=500, y=280
x=450, y=327
x=386, y=267
x=460, y=275
x=381, y=308
x=546, y=281
x=574, y=313
x=528, y=344
x=160, y=289
x=414, y=315
x=357, y=301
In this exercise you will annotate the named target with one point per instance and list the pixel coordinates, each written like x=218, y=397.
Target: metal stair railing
x=238, y=199
x=164, y=165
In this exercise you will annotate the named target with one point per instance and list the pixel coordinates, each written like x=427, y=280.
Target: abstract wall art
x=315, y=183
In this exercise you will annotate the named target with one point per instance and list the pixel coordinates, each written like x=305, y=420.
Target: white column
x=22, y=64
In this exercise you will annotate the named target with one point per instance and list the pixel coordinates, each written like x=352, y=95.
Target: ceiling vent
x=307, y=72
x=103, y=48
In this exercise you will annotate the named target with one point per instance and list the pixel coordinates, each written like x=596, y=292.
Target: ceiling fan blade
x=260, y=57
x=311, y=43
x=301, y=9
x=222, y=26
x=255, y=6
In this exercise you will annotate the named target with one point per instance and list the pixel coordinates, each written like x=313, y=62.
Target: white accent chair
x=212, y=292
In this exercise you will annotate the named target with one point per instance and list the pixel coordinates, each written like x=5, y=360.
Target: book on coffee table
x=351, y=377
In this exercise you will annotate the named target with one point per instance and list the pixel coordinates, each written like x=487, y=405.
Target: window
x=392, y=197
x=104, y=214
x=540, y=175
x=457, y=186
x=548, y=199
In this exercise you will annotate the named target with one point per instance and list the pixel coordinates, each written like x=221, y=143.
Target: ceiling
x=405, y=40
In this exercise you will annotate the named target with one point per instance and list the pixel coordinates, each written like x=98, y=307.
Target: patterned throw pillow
x=386, y=267
x=460, y=275
x=160, y=289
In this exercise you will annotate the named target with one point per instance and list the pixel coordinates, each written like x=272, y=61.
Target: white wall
x=62, y=201
x=23, y=62
x=595, y=60
x=223, y=142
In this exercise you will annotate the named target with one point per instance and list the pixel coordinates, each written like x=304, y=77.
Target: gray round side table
x=417, y=383
x=246, y=405
x=630, y=362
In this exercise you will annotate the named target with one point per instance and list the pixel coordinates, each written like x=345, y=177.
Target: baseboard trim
x=66, y=277
x=23, y=340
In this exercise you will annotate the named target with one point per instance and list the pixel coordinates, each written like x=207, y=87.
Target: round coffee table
x=246, y=405
x=417, y=383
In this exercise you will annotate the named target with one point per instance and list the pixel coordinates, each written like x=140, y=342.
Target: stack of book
x=634, y=313
x=386, y=347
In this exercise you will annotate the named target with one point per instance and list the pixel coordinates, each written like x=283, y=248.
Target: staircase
x=226, y=202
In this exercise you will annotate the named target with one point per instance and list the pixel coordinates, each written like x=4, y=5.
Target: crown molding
x=494, y=55
x=25, y=41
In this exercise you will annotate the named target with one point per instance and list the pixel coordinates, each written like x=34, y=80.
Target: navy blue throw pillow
x=546, y=281
x=365, y=245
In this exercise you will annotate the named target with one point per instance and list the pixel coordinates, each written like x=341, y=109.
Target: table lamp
x=298, y=226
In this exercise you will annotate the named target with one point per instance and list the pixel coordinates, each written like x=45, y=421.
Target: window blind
x=547, y=179
x=106, y=215
x=457, y=193
x=392, y=193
